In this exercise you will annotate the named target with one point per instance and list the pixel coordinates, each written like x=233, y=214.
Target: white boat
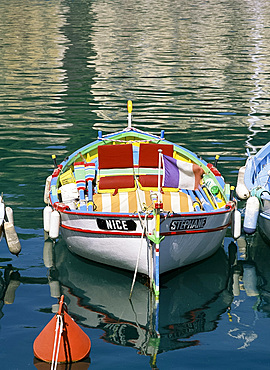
x=136, y=201
x=254, y=185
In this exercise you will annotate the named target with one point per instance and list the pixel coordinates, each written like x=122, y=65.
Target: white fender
x=251, y=215
x=236, y=224
x=12, y=239
x=241, y=190
x=54, y=225
x=47, y=211
x=9, y=213
x=47, y=189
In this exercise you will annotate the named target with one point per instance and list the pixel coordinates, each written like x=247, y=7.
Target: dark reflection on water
x=191, y=300
x=198, y=69
x=233, y=283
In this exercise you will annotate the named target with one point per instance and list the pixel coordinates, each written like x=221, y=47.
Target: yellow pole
x=129, y=108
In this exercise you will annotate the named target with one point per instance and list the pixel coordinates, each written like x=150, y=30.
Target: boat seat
x=148, y=164
x=115, y=170
x=172, y=201
x=139, y=200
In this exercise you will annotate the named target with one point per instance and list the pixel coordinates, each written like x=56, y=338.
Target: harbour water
x=200, y=71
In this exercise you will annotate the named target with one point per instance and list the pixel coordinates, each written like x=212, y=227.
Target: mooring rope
x=138, y=257
x=57, y=339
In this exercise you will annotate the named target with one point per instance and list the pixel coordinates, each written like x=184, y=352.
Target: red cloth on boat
x=148, y=158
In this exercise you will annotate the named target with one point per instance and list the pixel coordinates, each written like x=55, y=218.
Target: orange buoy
x=62, y=340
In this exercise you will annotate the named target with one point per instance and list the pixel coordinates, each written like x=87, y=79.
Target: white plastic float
x=241, y=190
x=47, y=218
x=236, y=224
x=54, y=225
x=7, y=221
x=251, y=215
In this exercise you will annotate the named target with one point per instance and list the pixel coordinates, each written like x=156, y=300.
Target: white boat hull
x=264, y=219
x=188, y=239
x=257, y=182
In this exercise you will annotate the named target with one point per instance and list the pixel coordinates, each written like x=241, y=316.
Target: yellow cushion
x=134, y=201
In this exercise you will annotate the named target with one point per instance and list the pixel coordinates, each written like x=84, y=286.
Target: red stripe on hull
x=183, y=232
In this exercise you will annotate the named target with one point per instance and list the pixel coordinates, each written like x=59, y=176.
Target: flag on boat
x=181, y=174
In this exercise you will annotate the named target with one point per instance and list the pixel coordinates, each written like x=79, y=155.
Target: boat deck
x=125, y=177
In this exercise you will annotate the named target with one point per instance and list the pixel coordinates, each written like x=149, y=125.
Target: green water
x=197, y=69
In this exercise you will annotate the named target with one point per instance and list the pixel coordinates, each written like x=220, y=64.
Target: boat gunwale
x=228, y=207
x=265, y=214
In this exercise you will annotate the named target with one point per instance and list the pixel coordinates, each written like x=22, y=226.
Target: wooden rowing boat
x=253, y=185
x=137, y=201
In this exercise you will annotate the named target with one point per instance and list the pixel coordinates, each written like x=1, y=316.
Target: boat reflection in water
x=259, y=253
x=9, y=282
x=251, y=288
x=191, y=300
